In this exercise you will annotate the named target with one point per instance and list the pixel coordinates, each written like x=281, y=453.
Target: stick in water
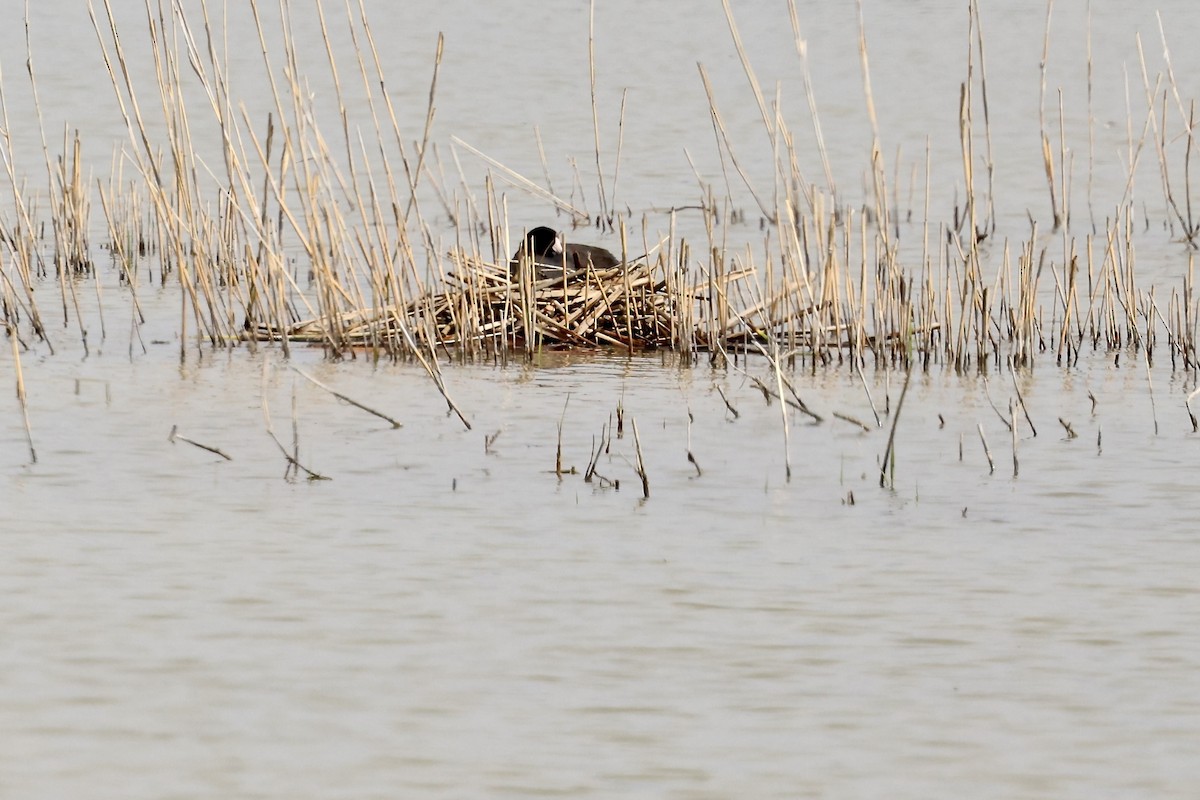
x=175, y=436
x=558, y=467
x=692, y=458
x=728, y=405
x=887, y=453
x=21, y=393
x=986, y=450
x=641, y=465
x=293, y=460
x=346, y=399
x=1011, y=412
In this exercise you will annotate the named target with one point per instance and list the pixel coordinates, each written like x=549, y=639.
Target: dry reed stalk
x=294, y=467
x=986, y=450
x=1021, y=400
x=27, y=260
x=429, y=112
x=1187, y=170
x=558, y=467
x=605, y=212
x=870, y=400
x=70, y=211
x=802, y=51
x=748, y=69
x=1016, y=463
x=1159, y=137
x=690, y=456
x=594, y=458
x=628, y=286
x=787, y=437
x=620, y=146
x=878, y=171
x=537, y=136
x=966, y=139
x=175, y=435
x=1091, y=117
x=1190, y=317
x=325, y=229
x=989, y=161
x=1064, y=166
x=852, y=421
x=377, y=78
x=346, y=399
x=1187, y=404
x=22, y=398
x=1069, y=303
x=1150, y=389
x=1047, y=158
x=144, y=153
x=888, y=462
x=728, y=405
x=641, y=464
x=725, y=145
x=520, y=181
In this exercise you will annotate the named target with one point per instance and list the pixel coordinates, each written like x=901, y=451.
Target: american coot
x=544, y=248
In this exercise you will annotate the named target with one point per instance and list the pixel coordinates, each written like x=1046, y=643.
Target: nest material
x=636, y=306
x=626, y=306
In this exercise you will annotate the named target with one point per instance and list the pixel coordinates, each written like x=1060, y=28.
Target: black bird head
x=542, y=246
x=543, y=242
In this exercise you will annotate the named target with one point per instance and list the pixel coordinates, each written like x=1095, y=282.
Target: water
x=447, y=617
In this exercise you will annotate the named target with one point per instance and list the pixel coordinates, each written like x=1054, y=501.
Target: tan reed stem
x=1016, y=463
x=986, y=450
x=605, y=213
x=345, y=399
x=292, y=458
x=719, y=129
x=728, y=405
x=175, y=435
x=888, y=463
x=520, y=181
x=641, y=464
x=558, y=462
x=21, y=396
x=1047, y=158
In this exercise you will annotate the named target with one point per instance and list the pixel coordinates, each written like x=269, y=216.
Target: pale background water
x=445, y=618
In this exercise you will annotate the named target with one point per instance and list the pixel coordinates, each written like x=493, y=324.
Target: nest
x=634, y=306
x=626, y=306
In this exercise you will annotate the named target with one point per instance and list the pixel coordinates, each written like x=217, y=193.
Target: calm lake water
x=447, y=617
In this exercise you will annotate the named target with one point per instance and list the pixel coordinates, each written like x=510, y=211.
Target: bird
x=544, y=248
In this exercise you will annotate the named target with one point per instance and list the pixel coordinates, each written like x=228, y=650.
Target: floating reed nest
x=626, y=306
x=636, y=306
